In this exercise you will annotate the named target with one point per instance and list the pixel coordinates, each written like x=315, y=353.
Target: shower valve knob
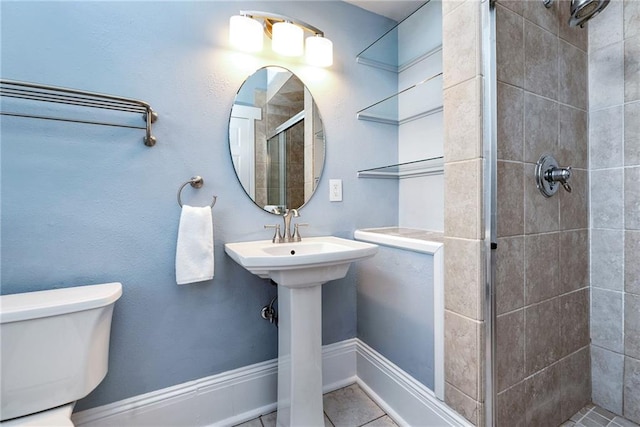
x=549, y=174
x=556, y=174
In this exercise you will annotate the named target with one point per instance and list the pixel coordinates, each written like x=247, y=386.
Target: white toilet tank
x=54, y=346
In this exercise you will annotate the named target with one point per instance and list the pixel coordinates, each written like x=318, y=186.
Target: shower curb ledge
x=245, y=393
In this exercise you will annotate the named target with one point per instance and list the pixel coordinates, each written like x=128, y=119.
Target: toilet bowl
x=54, y=350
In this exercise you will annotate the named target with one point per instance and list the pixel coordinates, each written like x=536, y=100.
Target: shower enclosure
x=542, y=293
x=285, y=165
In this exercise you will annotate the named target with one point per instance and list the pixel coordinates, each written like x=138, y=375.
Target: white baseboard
x=242, y=394
x=403, y=398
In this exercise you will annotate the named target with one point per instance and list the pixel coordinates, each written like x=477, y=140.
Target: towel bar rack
x=196, y=182
x=62, y=95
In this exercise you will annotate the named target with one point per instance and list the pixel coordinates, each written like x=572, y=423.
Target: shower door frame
x=489, y=193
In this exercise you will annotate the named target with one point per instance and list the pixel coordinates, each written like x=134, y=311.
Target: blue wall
x=90, y=204
x=396, y=309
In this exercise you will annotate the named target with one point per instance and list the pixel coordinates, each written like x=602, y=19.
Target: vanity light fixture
x=287, y=34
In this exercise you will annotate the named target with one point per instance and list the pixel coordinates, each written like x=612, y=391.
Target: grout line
x=375, y=419
x=327, y=415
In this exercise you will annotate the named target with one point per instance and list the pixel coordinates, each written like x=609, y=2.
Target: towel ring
x=196, y=182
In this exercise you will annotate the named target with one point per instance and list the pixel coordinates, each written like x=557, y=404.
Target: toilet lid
x=57, y=417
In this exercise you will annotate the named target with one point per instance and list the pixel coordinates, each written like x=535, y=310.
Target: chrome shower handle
x=548, y=174
x=561, y=175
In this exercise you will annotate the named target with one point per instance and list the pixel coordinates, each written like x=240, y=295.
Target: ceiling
x=394, y=9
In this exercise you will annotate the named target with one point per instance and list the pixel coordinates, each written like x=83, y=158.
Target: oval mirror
x=276, y=140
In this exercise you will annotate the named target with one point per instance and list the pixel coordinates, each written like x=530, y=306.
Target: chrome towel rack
x=62, y=95
x=196, y=182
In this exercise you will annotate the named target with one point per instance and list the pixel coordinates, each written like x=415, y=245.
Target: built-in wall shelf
x=424, y=167
x=384, y=53
x=425, y=241
x=420, y=100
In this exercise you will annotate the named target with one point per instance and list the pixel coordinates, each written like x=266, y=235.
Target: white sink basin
x=312, y=261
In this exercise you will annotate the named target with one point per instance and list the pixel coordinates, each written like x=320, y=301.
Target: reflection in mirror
x=276, y=140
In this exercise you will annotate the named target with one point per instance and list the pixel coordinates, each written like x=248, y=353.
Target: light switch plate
x=335, y=190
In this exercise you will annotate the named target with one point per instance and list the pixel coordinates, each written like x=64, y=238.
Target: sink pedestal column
x=300, y=356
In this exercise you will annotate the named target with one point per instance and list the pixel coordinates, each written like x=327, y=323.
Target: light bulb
x=245, y=33
x=287, y=39
x=319, y=51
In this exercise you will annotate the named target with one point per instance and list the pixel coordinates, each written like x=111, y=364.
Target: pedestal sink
x=300, y=269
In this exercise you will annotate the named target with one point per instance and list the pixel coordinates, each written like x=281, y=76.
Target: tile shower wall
x=614, y=138
x=542, y=260
x=464, y=321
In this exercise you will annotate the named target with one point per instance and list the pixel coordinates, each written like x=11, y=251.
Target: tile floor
x=595, y=416
x=351, y=407
x=346, y=407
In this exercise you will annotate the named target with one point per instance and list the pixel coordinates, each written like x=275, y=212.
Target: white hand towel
x=194, y=251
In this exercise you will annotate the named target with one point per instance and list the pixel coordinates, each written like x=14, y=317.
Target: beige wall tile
x=510, y=199
x=509, y=349
x=632, y=198
x=547, y=18
x=516, y=6
x=575, y=35
x=574, y=206
x=461, y=353
x=608, y=28
x=542, y=393
x=607, y=319
x=542, y=335
x=461, y=43
x=606, y=131
x=632, y=69
x=631, y=18
x=510, y=126
x=632, y=389
x=541, y=127
x=541, y=214
x=573, y=137
x=510, y=407
x=541, y=59
x=462, y=202
x=607, y=199
x=574, y=260
x=607, y=373
x=606, y=76
x=574, y=325
x=632, y=325
x=463, y=121
x=463, y=269
x=509, y=274
x=541, y=267
x=575, y=382
x=632, y=269
x=449, y=6
x=632, y=134
x=462, y=404
x=572, y=75
x=509, y=46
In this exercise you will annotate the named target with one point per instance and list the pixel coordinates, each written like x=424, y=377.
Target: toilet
x=54, y=350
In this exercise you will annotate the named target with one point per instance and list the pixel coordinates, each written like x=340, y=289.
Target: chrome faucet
x=288, y=214
x=286, y=236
